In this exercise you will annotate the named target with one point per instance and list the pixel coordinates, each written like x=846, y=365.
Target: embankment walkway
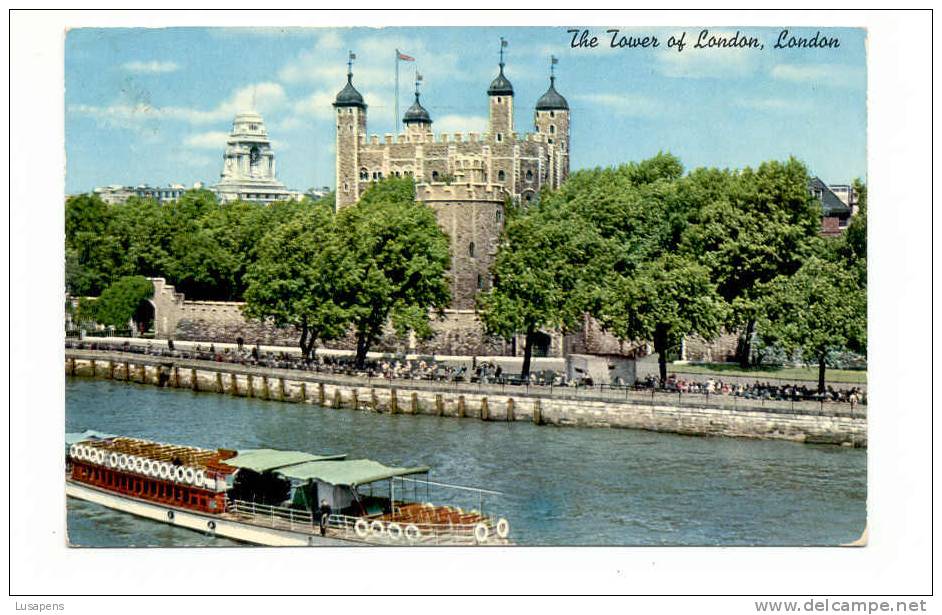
x=691, y=414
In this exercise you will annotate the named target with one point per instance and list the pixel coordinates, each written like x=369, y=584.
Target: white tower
x=248, y=171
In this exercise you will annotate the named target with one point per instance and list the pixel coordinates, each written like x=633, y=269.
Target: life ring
x=170, y=515
x=361, y=527
x=162, y=470
x=377, y=528
x=123, y=461
x=480, y=533
x=211, y=525
x=139, y=464
x=199, y=478
x=179, y=474
x=101, y=457
x=72, y=450
x=503, y=528
x=148, y=468
x=113, y=460
x=395, y=531
x=189, y=475
x=79, y=452
x=413, y=533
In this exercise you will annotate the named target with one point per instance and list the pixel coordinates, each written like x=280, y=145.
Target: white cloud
x=154, y=66
x=631, y=105
x=819, y=74
x=709, y=62
x=460, y=123
x=774, y=105
x=214, y=140
x=263, y=97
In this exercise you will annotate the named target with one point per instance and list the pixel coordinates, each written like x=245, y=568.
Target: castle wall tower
x=501, y=105
x=417, y=120
x=351, y=126
x=552, y=121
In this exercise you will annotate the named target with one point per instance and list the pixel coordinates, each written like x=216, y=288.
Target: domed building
x=248, y=171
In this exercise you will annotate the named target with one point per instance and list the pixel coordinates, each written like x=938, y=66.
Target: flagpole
x=396, y=117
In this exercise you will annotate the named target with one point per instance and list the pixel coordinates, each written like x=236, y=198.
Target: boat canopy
x=349, y=472
x=89, y=434
x=267, y=459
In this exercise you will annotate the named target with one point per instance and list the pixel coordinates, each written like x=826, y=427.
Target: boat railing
x=392, y=532
x=275, y=516
x=373, y=530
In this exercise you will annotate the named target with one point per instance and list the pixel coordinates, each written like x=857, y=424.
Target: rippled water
x=561, y=486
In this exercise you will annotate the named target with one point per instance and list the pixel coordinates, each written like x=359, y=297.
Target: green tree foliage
x=294, y=281
x=664, y=300
x=92, y=254
x=749, y=228
x=395, y=263
x=819, y=309
x=118, y=303
x=545, y=274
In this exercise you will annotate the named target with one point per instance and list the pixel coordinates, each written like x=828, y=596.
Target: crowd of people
x=757, y=390
x=483, y=372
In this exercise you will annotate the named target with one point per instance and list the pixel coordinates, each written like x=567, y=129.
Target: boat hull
x=222, y=525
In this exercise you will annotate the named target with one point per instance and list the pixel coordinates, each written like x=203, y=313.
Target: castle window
x=529, y=175
x=480, y=282
x=497, y=214
x=550, y=141
x=552, y=129
x=498, y=100
x=500, y=137
x=529, y=197
x=364, y=174
x=552, y=114
x=501, y=176
x=471, y=249
x=434, y=175
x=346, y=187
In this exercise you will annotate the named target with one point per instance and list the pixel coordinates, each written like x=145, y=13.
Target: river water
x=560, y=486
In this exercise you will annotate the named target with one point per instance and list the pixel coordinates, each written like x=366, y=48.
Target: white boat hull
x=200, y=522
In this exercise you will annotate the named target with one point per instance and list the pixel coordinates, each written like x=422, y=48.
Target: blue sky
x=154, y=105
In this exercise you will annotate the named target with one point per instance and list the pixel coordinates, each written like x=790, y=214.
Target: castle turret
x=552, y=121
x=416, y=119
x=351, y=125
x=501, y=95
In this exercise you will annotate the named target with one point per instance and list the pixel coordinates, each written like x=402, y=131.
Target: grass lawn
x=789, y=373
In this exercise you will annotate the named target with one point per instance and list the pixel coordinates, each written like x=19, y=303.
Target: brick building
x=465, y=177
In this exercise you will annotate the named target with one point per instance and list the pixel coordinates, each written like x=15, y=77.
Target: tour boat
x=274, y=497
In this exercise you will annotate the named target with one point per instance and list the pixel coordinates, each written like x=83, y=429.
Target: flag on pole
x=418, y=76
x=353, y=56
x=404, y=57
x=503, y=43
x=554, y=60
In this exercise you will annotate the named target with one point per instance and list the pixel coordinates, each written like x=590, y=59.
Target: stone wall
x=827, y=426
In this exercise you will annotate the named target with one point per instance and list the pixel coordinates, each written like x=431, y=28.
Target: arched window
x=364, y=174
x=529, y=175
x=500, y=137
x=480, y=282
x=498, y=100
x=529, y=197
x=501, y=176
x=552, y=129
x=434, y=175
x=497, y=214
x=552, y=114
x=471, y=249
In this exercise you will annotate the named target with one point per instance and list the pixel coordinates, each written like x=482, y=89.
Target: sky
x=155, y=105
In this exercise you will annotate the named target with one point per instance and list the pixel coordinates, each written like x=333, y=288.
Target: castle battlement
x=456, y=191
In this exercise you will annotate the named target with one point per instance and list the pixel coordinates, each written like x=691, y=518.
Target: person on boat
x=325, y=512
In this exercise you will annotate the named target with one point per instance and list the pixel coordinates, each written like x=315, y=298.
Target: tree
x=294, y=280
x=92, y=255
x=819, y=309
x=664, y=300
x=394, y=261
x=545, y=274
x=117, y=304
x=751, y=227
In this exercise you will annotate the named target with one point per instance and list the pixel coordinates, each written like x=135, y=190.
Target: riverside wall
x=843, y=426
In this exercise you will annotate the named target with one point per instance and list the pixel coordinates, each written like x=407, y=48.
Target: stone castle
x=466, y=178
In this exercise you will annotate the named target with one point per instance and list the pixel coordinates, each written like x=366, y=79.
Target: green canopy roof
x=350, y=472
x=266, y=459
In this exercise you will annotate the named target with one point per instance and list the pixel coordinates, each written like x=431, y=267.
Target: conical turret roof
x=552, y=100
x=416, y=114
x=500, y=86
x=349, y=96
